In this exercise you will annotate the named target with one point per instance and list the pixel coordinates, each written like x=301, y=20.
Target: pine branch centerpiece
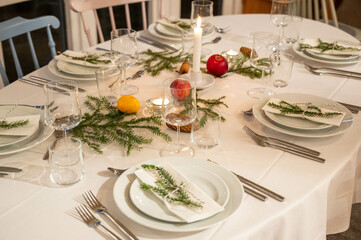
x=167, y=188
x=305, y=109
x=9, y=125
x=106, y=124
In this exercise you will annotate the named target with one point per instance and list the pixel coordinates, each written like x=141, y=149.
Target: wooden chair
x=18, y=26
x=81, y=6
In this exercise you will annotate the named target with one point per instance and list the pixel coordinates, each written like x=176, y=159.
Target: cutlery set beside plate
x=148, y=210
x=302, y=127
x=68, y=67
x=15, y=143
x=332, y=57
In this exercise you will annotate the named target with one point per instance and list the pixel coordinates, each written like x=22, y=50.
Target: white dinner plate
x=297, y=97
x=304, y=54
x=155, y=31
x=6, y=140
x=330, y=57
x=296, y=123
x=42, y=133
x=76, y=69
x=126, y=206
x=52, y=66
x=210, y=183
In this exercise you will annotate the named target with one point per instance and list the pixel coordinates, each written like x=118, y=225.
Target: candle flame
x=199, y=21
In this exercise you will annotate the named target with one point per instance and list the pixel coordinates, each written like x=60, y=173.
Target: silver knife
x=9, y=169
x=37, y=84
x=43, y=80
x=156, y=43
x=3, y=174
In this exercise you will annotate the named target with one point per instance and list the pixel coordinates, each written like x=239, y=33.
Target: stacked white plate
x=168, y=31
x=13, y=144
x=66, y=67
x=331, y=56
x=298, y=126
x=148, y=210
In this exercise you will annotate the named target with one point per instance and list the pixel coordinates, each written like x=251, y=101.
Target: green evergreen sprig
x=90, y=58
x=166, y=187
x=9, y=125
x=241, y=66
x=326, y=46
x=310, y=110
x=106, y=124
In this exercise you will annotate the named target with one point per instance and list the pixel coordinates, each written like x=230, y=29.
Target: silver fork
x=93, y=222
x=336, y=74
x=262, y=143
x=97, y=207
x=282, y=142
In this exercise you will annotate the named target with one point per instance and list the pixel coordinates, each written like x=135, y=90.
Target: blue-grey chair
x=18, y=26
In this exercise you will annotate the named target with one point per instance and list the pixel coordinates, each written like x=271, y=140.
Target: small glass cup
x=66, y=162
x=206, y=135
x=105, y=77
x=282, y=71
x=292, y=31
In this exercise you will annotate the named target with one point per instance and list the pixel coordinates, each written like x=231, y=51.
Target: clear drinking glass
x=124, y=51
x=283, y=64
x=182, y=92
x=282, y=12
x=66, y=161
x=105, y=78
x=264, y=44
x=203, y=9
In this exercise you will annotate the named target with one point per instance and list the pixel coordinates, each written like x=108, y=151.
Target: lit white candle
x=159, y=101
x=197, y=45
x=230, y=55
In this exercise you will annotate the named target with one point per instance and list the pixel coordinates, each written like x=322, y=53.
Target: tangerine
x=128, y=104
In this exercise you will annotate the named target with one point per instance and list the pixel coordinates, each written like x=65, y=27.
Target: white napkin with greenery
x=326, y=116
x=334, y=47
x=86, y=58
x=188, y=213
x=26, y=130
x=176, y=24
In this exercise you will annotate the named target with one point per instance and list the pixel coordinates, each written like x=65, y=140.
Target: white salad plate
x=210, y=183
x=306, y=55
x=53, y=68
x=75, y=69
x=41, y=134
x=6, y=140
x=260, y=115
x=296, y=123
x=121, y=193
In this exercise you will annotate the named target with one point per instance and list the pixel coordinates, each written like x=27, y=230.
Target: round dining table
x=318, y=196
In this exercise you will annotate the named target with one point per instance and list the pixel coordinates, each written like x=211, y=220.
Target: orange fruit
x=128, y=104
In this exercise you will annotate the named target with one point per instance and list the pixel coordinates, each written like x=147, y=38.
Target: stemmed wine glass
x=282, y=12
x=124, y=53
x=182, y=92
x=264, y=45
x=65, y=112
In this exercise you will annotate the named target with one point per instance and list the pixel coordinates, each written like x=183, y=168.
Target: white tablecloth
x=318, y=196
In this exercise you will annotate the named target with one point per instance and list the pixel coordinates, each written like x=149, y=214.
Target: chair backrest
x=81, y=6
x=311, y=9
x=18, y=26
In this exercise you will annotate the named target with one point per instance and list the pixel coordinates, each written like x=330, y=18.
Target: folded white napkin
x=354, y=48
x=170, y=23
x=335, y=120
x=187, y=214
x=26, y=130
x=70, y=54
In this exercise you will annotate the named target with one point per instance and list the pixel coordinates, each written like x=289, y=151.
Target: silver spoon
x=136, y=75
x=216, y=40
x=116, y=171
x=248, y=112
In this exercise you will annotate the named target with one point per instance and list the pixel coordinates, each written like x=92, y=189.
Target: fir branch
x=166, y=187
x=90, y=58
x=309, y=109
x=106, y=124
x=8, y=125
x=242, y=67
x=326, y=46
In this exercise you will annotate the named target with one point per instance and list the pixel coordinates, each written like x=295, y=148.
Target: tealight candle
x=155, y=105
x=197, y=45
x=231, y=54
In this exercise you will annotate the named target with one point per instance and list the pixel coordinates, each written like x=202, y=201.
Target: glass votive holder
x=231, y=56
x=155, y=105
x=66, y=161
